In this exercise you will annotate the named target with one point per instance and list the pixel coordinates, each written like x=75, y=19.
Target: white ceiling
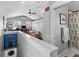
x=74, y=6
x=10, y=8
x=14, y=8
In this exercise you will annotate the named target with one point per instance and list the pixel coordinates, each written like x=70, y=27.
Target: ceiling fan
x=30, y=12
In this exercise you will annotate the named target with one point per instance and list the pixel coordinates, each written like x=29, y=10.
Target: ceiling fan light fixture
x=29, y=12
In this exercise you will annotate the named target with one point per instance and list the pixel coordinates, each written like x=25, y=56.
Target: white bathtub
x=29, y=46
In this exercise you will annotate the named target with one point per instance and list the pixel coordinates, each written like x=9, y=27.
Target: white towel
x=66, y=34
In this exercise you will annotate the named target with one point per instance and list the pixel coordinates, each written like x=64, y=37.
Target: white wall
x=58, y=27
x=74, y=6
x=38, y=25
x=55, y=28
x=46, y=27
x=1, y=40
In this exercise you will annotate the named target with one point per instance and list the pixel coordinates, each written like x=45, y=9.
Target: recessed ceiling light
x=22, y=2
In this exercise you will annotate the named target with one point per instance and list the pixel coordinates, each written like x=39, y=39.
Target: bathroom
x=63, y=32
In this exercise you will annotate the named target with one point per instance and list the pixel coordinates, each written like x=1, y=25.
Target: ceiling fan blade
x=30, y=12
x=33, y=13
